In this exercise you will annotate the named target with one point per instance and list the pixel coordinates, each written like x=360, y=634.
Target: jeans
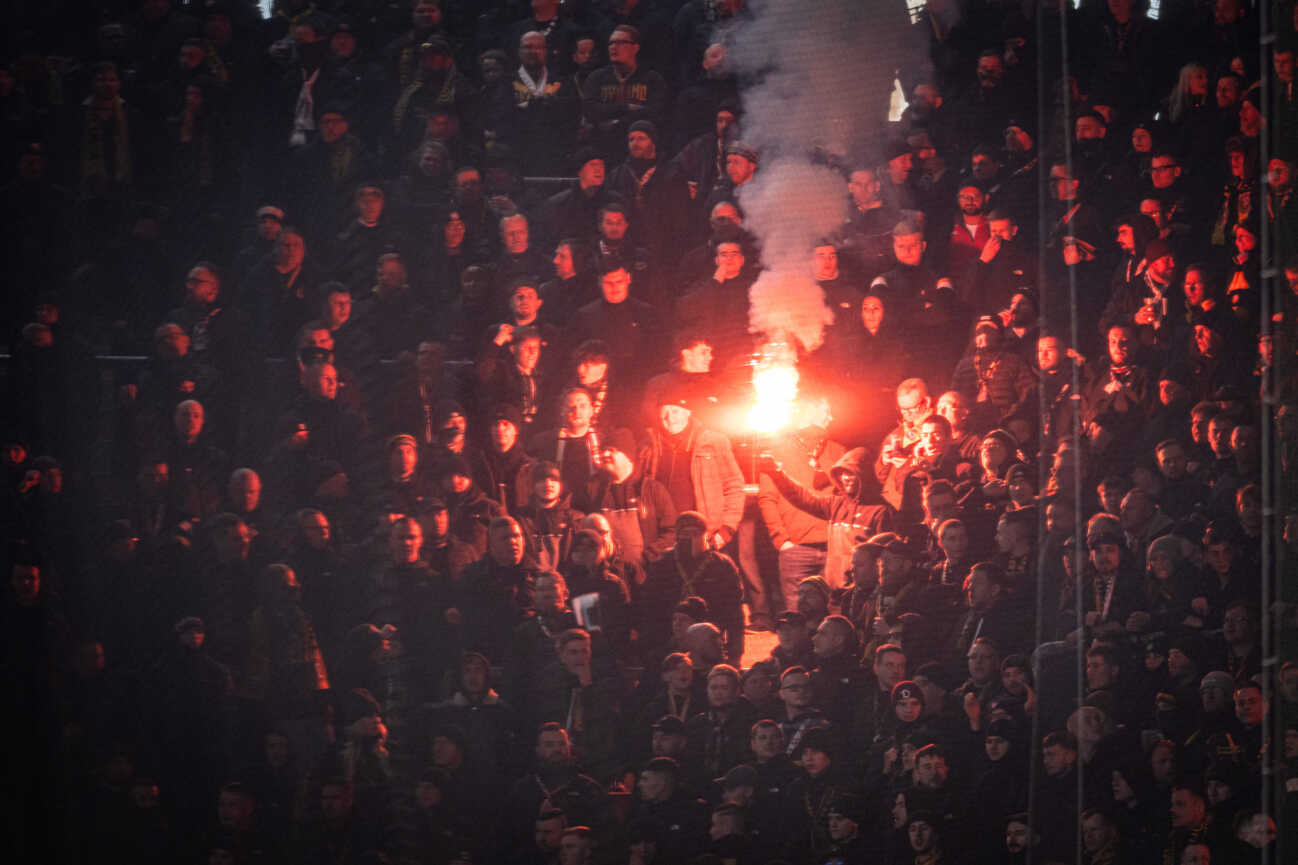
x=796, y=564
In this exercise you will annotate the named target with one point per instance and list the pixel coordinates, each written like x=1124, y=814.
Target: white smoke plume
x=820, y=75
x=789, y=205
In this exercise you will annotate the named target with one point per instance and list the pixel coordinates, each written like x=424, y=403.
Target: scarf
x=304, y=111
x=100, y=131
x=535, y=87
x=690, y=569
x=641, y=182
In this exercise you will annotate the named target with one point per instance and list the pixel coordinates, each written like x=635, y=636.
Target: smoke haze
x=820, y=73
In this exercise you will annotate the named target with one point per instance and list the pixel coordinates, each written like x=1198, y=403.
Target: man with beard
x=741, y=167
x=1020, y=840
x=971, y=230
x=1118, y=397
x=986, y=107
x=216, y=330
x=693, y=568
x=1143, y=302
x=800, y=538
x=656, y=195
x=556, y=781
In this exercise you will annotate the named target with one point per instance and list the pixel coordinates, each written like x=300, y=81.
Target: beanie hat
x=906, y=690
x=691, y=517
x=645, y=126
x=507, y=412
x=621, y=439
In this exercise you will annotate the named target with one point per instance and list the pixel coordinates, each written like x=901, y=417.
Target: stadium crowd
x=430, y=529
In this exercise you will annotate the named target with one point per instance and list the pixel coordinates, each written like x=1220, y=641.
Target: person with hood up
x=850, y=510
x=1001, y=789
x=800, y=538
x=471, y=511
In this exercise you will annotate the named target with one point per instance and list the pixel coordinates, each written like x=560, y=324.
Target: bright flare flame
x=775, y=381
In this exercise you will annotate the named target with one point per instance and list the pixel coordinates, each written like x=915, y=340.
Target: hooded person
x=639, y=509
x=470, y=509
x=1001, y=789
x=850, y=508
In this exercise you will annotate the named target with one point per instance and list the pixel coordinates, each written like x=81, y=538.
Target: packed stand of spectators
x=427, y=532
